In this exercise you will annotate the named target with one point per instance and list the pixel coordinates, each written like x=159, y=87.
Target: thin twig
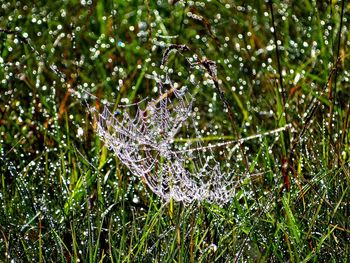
x=277, y=55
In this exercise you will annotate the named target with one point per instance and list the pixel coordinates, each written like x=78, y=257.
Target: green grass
x=67, y=198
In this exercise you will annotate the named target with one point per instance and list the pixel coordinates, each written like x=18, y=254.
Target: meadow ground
x=68, y=194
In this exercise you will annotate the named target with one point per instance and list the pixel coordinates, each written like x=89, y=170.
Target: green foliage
x=65, y=198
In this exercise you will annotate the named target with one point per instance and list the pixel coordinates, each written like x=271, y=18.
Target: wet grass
x=66, y=198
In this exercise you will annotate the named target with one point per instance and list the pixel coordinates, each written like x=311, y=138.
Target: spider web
x=147, y=143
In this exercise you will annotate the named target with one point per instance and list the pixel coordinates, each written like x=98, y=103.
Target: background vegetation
x=64, y=197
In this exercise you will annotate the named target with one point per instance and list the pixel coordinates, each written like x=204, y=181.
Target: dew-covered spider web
x=159, y=140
